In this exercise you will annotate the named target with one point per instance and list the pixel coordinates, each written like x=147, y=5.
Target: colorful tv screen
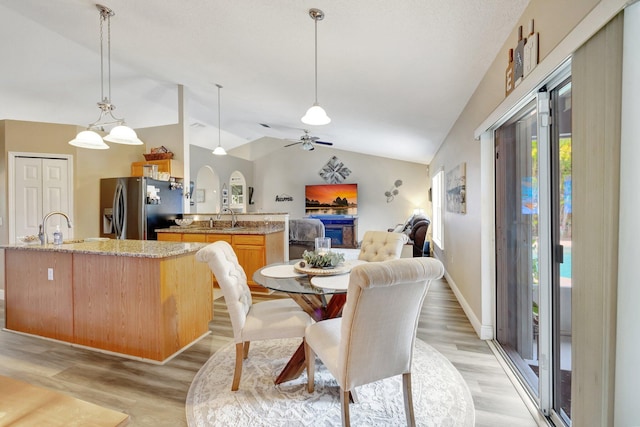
x=331, y=199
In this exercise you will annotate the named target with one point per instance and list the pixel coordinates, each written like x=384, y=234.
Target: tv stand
x=343, y=230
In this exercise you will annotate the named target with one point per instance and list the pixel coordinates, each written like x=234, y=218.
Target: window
x=437, y=194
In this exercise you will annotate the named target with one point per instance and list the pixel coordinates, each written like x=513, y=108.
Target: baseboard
x=484, y=332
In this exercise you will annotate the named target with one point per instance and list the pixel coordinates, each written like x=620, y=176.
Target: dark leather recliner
x=418, y=234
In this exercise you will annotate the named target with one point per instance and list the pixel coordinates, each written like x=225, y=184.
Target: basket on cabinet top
x=157, y=156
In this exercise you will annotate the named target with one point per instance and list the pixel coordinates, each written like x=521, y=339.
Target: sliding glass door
x=533, y=247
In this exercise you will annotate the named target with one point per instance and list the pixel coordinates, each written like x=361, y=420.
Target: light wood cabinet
x=252, y=254
x=173, y=167
x=39, y=294
x=145, y=307
x=254, y=251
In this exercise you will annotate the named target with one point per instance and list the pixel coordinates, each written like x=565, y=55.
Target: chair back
x=380, y=319
x=232, y=279
x=381, y=246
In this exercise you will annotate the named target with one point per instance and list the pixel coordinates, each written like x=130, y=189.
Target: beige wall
x=554, y=19
x=169, y=136
x=89, y=166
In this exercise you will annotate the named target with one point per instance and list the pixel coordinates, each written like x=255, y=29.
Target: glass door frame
x=545, y=400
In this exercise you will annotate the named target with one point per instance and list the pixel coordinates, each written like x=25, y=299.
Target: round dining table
x=320, y=295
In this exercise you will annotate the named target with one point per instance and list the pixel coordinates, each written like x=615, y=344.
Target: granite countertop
x=198, y=229
x=128, y=248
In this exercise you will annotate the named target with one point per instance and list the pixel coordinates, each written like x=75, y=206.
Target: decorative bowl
x=29, y=240
x=183, y=222
x=322, y=260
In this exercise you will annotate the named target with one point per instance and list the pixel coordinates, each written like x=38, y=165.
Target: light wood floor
x=154, y=395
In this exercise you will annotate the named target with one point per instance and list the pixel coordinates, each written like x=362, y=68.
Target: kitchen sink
x=233, y=228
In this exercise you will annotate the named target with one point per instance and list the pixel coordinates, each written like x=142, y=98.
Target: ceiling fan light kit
x=308, y=141
x=316, y=115
x=120, y=134
x=219, y=151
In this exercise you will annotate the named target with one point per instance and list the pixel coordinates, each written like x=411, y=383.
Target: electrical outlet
x=50, y=273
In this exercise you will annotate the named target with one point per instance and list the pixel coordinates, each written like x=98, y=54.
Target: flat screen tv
x=331, y=199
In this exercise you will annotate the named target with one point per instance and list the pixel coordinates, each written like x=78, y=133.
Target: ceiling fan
x=308, y=141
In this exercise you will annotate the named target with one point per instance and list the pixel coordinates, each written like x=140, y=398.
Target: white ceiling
x=393, y=75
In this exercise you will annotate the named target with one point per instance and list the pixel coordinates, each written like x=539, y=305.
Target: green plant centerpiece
x=323, y=260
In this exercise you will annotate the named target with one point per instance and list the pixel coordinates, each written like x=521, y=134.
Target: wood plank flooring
x=155, y=395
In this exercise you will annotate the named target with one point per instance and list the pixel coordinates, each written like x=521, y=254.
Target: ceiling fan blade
x=323, y=142
x=295, y=143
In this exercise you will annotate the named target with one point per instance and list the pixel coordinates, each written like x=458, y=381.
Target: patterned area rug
x=440, y=395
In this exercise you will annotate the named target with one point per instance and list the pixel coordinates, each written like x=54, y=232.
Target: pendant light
x=316, y=114
x=219, y=151
x=120, y=133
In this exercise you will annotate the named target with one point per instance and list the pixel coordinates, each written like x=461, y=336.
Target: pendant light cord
x=102, y=18
x=316, y=59
x=219, y=131
x=109, y=55
x=105, y=15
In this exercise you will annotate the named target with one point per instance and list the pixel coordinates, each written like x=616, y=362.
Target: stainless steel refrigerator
x=134, y=207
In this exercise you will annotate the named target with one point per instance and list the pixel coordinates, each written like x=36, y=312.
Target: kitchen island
x=146, y=300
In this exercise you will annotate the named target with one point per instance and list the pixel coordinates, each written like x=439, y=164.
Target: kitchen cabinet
x=173, y=167
x=251, y=251
x=39, y=295
x=254, y=251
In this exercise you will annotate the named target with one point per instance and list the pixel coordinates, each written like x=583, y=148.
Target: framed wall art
x=456, y=188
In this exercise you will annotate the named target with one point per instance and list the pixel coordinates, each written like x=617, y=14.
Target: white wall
x=287, y=170
x=223, y=166
x=627, y=410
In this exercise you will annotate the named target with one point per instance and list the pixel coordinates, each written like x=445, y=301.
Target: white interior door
x=41, y=185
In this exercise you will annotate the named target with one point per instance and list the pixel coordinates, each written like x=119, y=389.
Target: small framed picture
x=225, y=201
x=225, y=192
x=200, y=195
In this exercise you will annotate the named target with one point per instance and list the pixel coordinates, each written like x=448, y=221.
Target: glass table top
x=292, y=285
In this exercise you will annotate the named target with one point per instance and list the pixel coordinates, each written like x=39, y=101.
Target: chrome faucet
x=234, y=223
x=42, y=234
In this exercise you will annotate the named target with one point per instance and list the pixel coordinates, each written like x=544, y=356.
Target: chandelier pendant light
x=316, y=114
x=120, y=133
x=219, y=151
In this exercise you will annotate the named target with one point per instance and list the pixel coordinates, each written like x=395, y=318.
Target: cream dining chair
x=381, y=246
x=281, y=318
x=375, y=337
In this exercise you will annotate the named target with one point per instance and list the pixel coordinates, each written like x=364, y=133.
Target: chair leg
x=408, y=399
x=344, y=404
x=310, y=357
x=246, y=349
x=238, y=371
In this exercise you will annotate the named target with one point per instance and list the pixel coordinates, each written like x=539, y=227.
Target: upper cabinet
x=173, y=167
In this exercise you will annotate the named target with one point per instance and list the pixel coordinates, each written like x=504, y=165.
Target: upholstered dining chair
x=381, y=245
x=375, y=337
x=280, y=318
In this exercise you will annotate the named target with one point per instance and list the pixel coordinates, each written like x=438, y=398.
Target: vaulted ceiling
x=392, y=75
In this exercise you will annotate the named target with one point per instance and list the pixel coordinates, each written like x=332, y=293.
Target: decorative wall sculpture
x=334, y=172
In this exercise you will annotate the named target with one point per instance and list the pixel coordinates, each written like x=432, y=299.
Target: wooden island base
x=147, y=307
